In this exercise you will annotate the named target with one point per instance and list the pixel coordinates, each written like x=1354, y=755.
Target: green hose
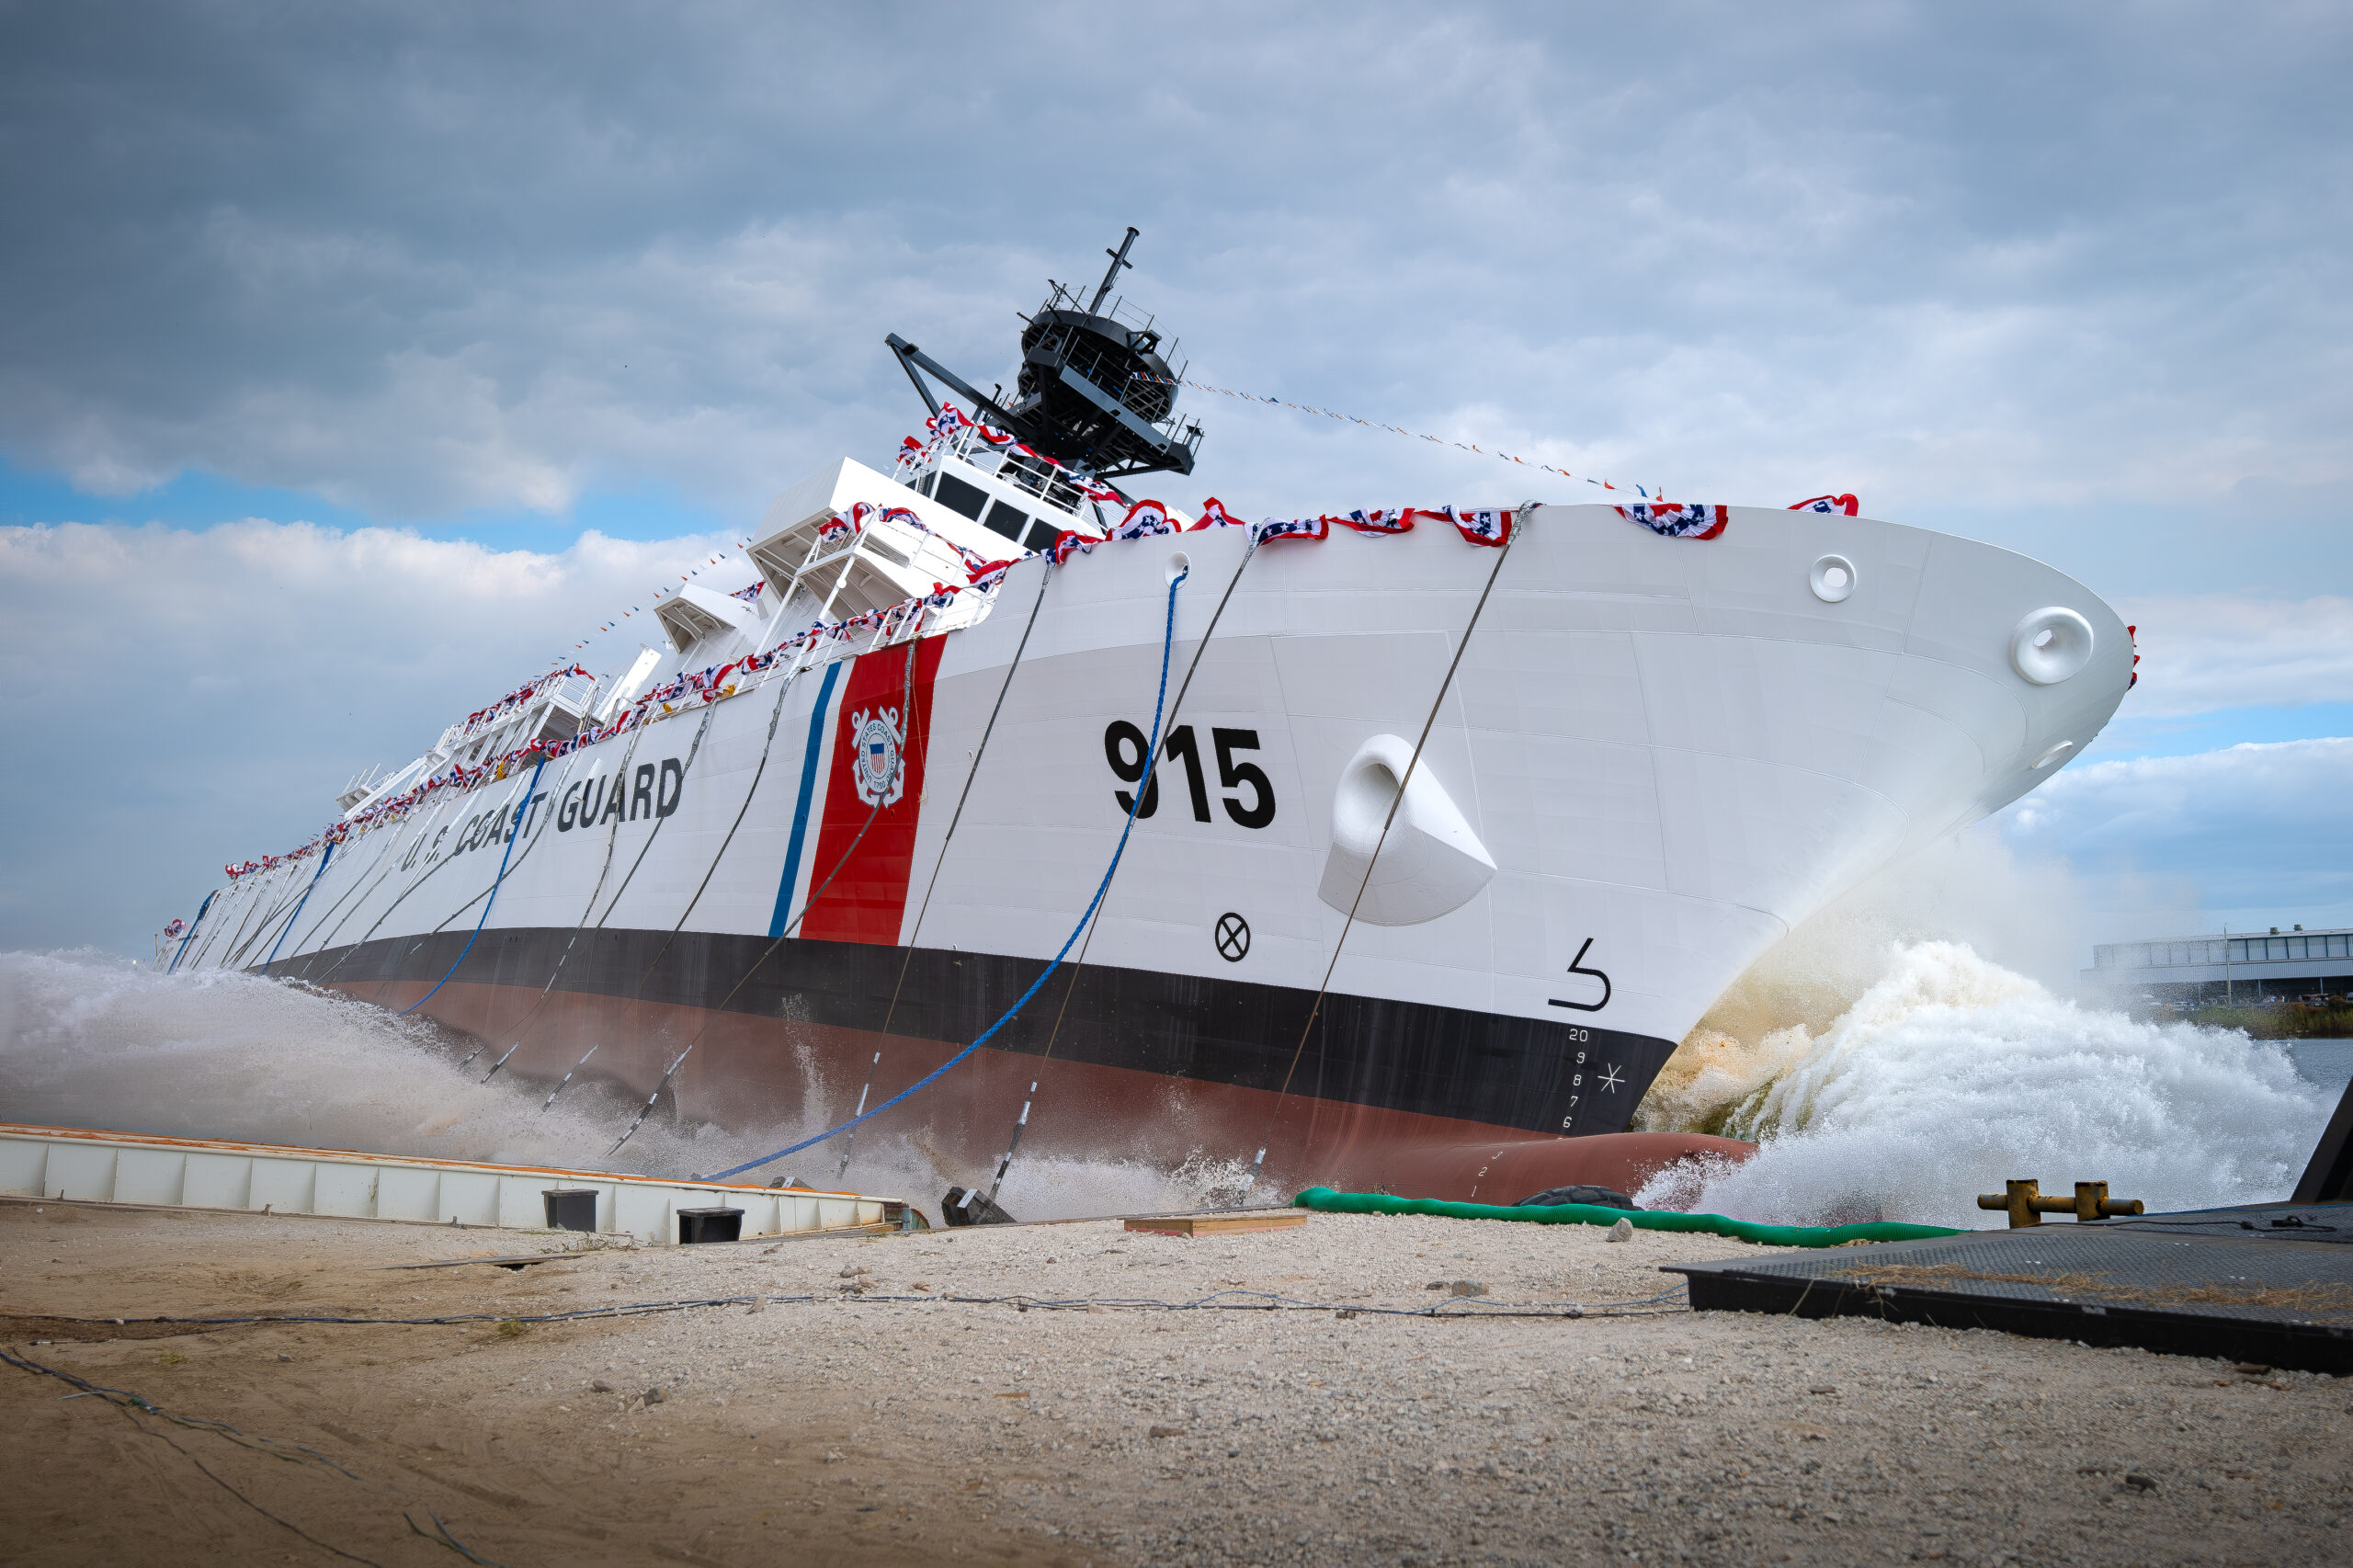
x=1324, y=1200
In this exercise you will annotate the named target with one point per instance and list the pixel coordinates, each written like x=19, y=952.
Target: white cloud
x=186, y=698
x=2200, y=652
x=2259, y=831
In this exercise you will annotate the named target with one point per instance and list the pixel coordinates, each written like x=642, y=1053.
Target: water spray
x=851, y=1138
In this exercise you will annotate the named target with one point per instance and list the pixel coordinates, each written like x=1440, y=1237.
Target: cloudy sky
x=357, y=357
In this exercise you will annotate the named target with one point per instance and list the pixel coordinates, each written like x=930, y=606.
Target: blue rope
x=521, y=806
x=1151, y=750
x=182, y=951
x=324, y=857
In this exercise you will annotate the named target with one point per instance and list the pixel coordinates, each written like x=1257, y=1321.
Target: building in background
x=2287, y=965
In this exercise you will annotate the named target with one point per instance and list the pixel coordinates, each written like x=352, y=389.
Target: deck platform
x=2270, y=1284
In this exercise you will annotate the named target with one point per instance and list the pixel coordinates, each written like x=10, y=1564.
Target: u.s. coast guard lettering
x=650, y=791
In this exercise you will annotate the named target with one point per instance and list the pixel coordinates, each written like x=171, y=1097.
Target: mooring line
x=1078, y=968
x=532, y=796
x=604, y=869
x=1045, y=576
x=1167, y=640
x=127, y=1403
x=316, y=949
x=326, y=855
x=875, y=810
x=693, y=749
x=519, y=809
x=181, y=952
x=397, y=829
x=906, y=955
x=775, y=711
x=613, y=834
x=1447, y=1308
x=1437, y=705
x=237, y=954
x=429, y=866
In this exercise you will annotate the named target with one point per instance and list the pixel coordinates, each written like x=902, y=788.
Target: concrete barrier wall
x=119, y=1167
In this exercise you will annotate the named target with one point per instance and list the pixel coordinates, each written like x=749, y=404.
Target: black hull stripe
x=1388, y=1055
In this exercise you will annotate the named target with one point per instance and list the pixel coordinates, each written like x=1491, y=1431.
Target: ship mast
x=1095, y=389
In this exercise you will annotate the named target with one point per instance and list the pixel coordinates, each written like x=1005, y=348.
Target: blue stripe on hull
x=801, y=803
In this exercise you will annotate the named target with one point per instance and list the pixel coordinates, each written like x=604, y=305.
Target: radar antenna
x=1110, y=274
x=1095, y=389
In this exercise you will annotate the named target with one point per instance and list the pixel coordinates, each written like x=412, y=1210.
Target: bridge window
x=1006, y=520
x=968, y=499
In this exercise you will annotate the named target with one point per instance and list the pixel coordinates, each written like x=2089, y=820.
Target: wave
x=1948, y=1074
x=92, y=1041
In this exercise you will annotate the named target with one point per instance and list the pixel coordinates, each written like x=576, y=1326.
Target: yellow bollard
x=2023, y=1200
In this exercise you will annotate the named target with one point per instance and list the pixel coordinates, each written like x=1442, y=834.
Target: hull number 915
x=1250, y=796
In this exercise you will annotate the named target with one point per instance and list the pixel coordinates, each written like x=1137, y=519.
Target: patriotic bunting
x=1145, y=519
x=1481, y=525
x=1290, y=528
x=1488, y=526
x=1692, y=520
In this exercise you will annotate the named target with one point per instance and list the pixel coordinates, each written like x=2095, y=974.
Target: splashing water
x=89, y=1040
x=1950, y=1074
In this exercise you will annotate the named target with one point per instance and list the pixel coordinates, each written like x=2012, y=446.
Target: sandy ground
x=859, y=1430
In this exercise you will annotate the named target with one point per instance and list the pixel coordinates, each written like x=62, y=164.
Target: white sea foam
x=1948, y=1074
x=87, y=1039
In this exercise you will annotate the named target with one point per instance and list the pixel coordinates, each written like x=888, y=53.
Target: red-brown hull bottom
x=747, y=1073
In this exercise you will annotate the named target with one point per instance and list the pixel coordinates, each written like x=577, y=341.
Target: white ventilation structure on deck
x=695, y=612
x=885, y=565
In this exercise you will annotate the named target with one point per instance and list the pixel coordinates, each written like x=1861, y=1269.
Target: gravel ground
x=858, y=1428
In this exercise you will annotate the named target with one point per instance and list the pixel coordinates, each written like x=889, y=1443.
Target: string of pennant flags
x=1489, y=526
x=1641, y=490
x=951, y=421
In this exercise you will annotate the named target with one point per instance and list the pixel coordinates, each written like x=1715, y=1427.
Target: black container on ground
x=697, y=1225
x=570, y=1208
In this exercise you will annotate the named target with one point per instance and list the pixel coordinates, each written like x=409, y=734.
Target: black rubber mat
x=2269, y=1222
x=2184, y=1284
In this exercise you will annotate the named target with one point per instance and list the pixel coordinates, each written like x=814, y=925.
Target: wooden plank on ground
x=1218, y=1224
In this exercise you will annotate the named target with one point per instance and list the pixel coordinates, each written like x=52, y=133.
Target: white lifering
x=1832, y=579
x=2050, y=646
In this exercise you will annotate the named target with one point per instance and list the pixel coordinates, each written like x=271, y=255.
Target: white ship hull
x=1655, y=756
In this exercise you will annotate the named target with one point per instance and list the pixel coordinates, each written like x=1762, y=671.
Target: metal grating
x=2182, y=1284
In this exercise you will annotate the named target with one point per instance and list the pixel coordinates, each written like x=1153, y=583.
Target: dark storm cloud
x=426, y=257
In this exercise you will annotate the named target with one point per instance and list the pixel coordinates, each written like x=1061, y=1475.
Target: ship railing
x=900, y=623
x=896, y=624
x=1040, y=481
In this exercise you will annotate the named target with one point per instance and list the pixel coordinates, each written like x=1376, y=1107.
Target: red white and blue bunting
x=1691, y=520
x=1489, y=526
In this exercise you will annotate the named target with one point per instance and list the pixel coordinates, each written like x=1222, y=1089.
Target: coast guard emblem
x=874, y=764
